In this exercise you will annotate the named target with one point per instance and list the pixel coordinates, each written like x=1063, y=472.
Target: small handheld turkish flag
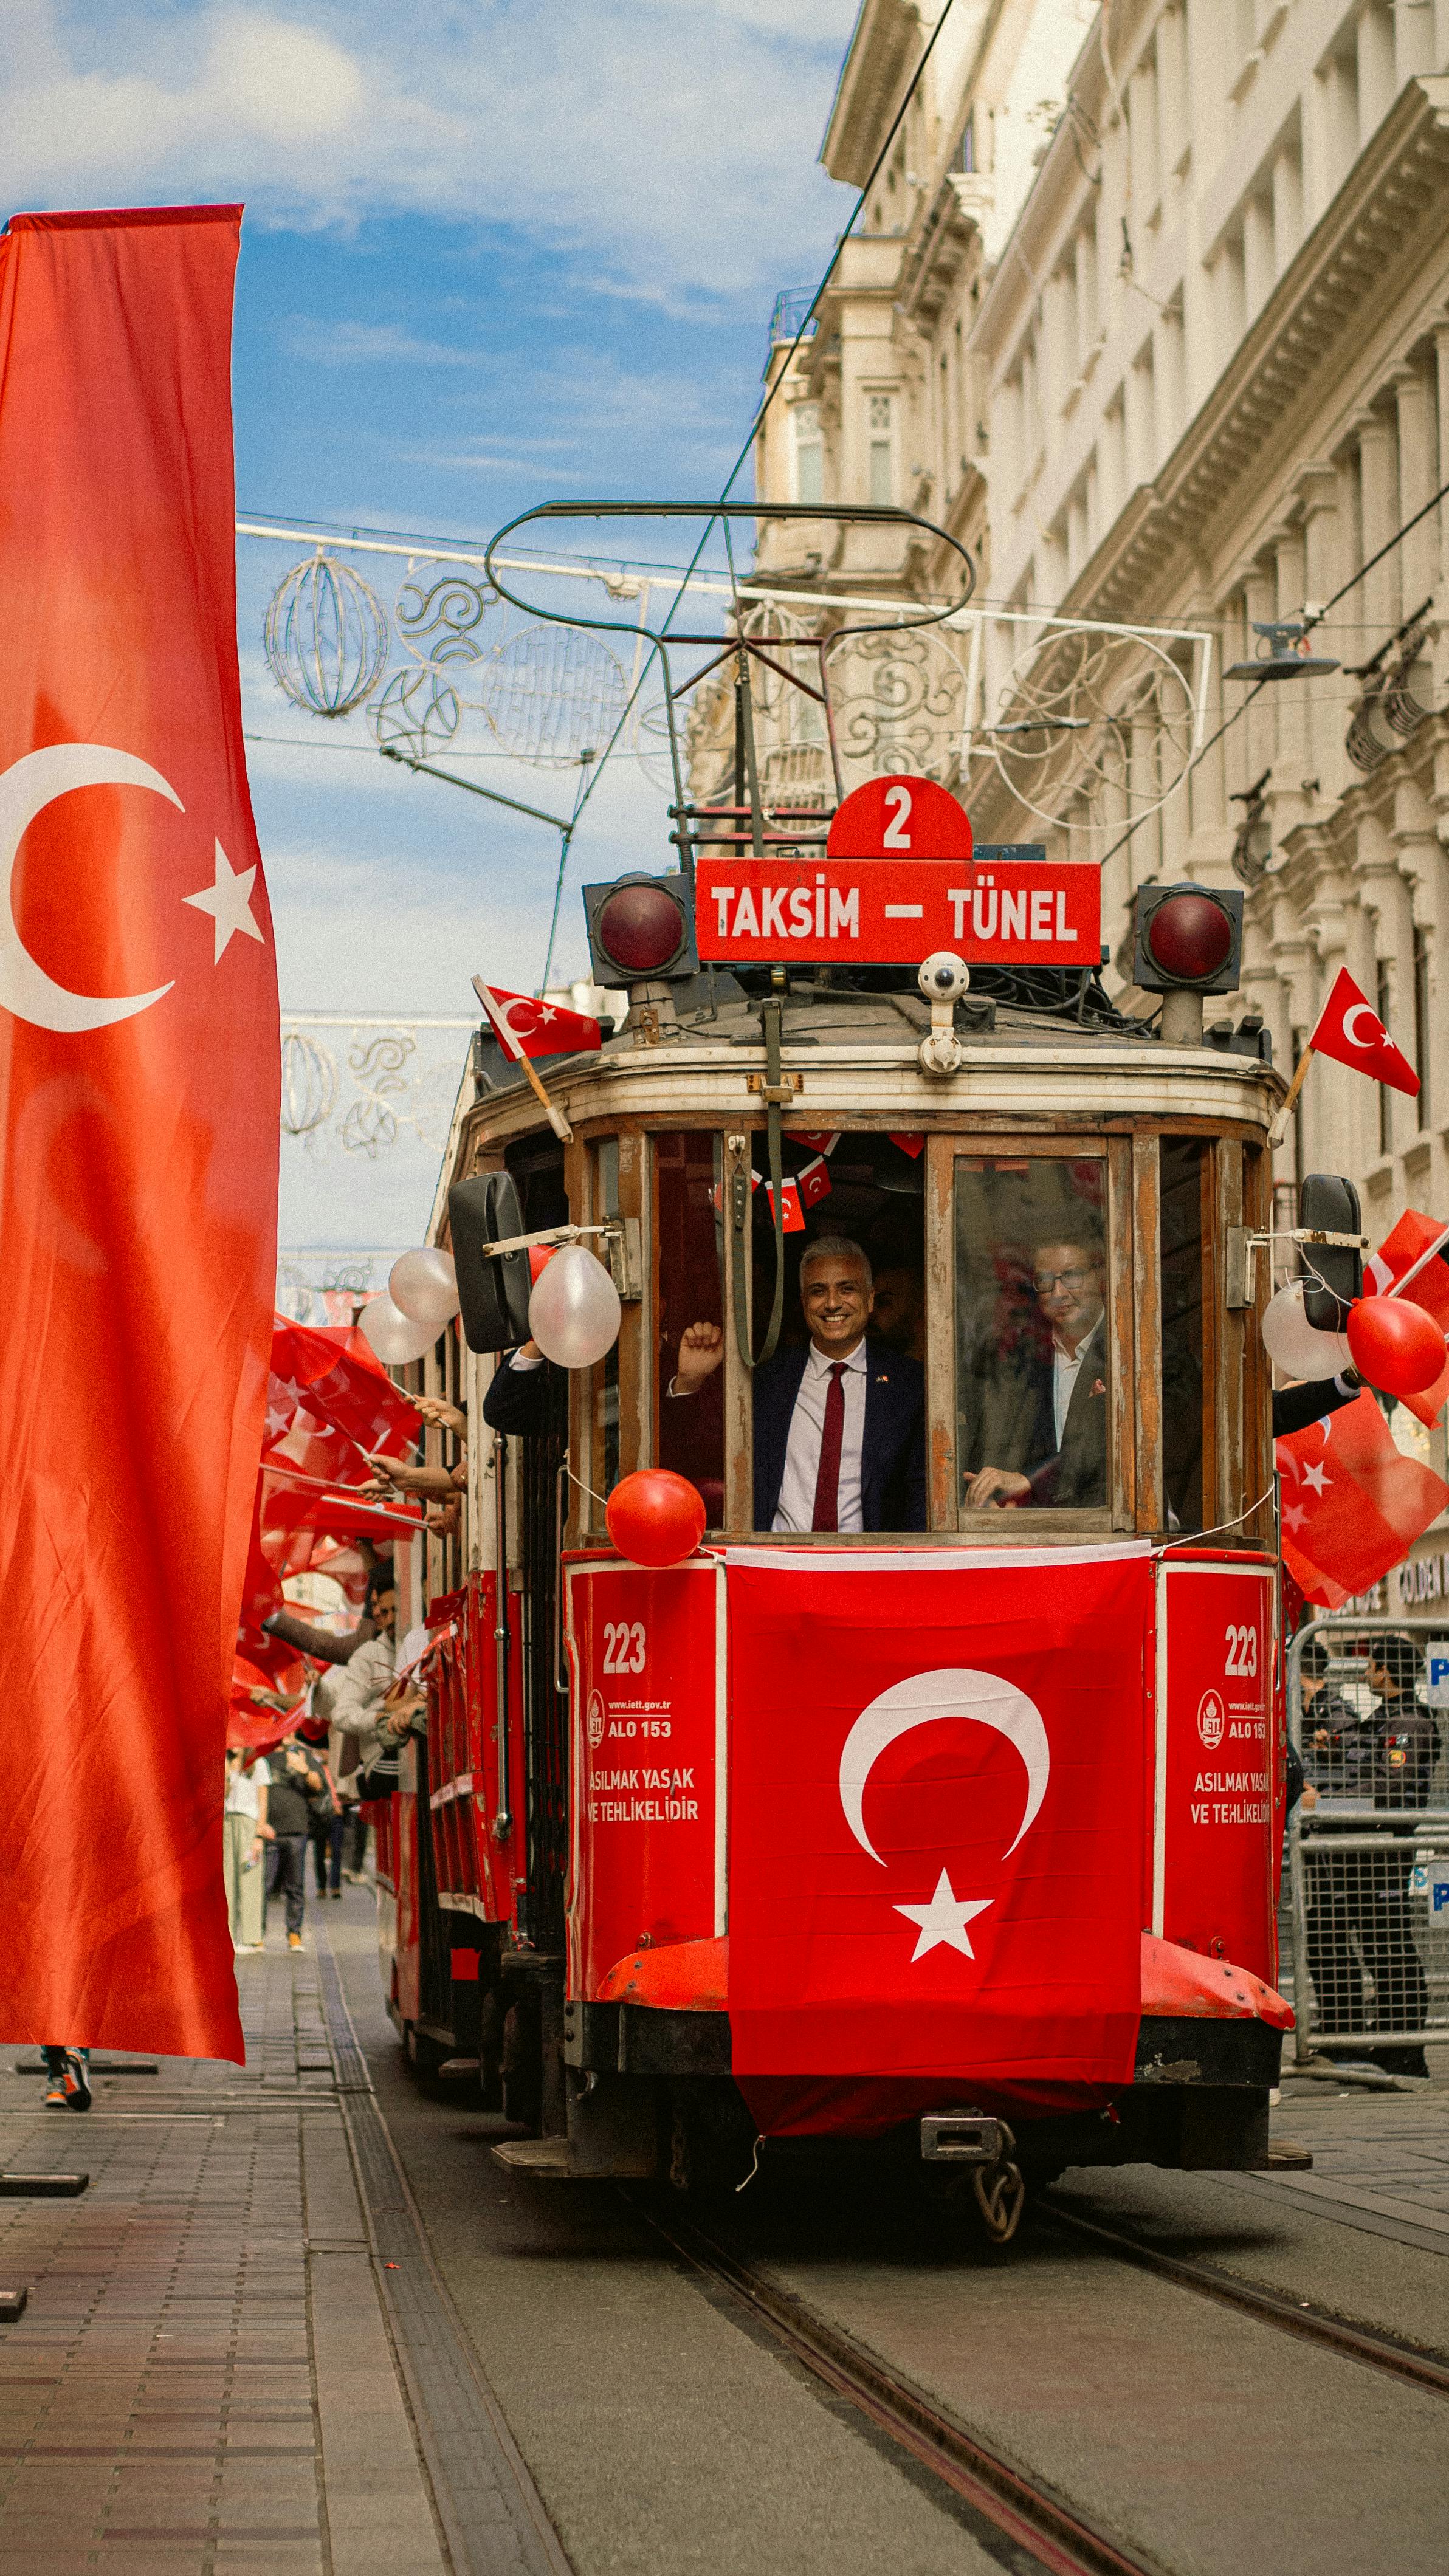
x=1350, y=1030
x=525, y=1025
x=1353, y=1504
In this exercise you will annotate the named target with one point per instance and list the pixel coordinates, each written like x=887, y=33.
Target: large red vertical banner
x=138, y=1126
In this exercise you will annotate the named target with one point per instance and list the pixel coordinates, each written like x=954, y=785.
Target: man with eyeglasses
x=1066, y=1450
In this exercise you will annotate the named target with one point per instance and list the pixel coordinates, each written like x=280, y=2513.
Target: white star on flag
x=1317, y=1478
x=283, y=1395
x=229, y=903
x=944, y=1920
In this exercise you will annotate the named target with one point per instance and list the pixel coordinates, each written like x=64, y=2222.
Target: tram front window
x=839, y=1440
x=1032, y=1353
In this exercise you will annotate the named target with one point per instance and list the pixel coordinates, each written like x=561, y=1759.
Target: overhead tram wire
x=770, y=392
x=1312, y=617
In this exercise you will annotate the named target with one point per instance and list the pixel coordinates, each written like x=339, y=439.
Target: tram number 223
x=623, y=1646
x=1242, y=1643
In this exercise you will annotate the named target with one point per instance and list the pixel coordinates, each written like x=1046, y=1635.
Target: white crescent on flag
x=985, y=1699
x=1361, y=1011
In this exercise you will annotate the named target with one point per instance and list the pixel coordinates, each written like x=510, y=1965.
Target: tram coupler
x=962, y=2138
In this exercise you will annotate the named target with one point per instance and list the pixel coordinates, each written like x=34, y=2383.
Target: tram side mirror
x=1332, y=1272
x=493, y=1295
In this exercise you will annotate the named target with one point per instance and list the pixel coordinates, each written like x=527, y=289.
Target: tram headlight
x=641, y=929
x=1187, y=938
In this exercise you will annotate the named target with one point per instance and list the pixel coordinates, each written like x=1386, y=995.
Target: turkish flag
x=936, y=1821
x=524, y=1025
x=330, y=1373
x=1413, y=1236
x=250, y=1721
x=1353, y=1504
x=1350, y=1030
x=139, y=1070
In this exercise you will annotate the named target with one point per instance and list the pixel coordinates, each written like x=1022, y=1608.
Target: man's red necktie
x=827, y=1481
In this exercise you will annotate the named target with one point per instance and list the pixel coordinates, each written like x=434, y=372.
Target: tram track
x=1044, y=2526
x=1041, y=2523
x=1299, y=2317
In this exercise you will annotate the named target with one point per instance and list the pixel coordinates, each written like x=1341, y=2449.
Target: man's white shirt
x=1066, y=1369
x=796, y=1508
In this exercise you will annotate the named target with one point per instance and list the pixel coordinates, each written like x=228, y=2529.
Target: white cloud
x=366, y=344
x=668, y=143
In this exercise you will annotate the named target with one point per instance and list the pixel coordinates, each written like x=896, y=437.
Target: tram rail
x=1026, y=2511
x=1301, y=2317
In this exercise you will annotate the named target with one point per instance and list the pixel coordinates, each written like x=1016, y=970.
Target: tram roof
x=855, y=1054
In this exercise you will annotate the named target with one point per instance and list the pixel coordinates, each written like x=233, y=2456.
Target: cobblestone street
x=203, y=2376
x=249, y=2346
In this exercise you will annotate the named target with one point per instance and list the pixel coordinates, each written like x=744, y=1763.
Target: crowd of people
x=310, y=1793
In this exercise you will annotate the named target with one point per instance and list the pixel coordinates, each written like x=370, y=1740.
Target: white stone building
x=1151, y=310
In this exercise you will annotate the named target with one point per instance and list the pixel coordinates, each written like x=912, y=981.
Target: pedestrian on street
x=327, y=1824
x=70, y=2079
x=295, y=1780
x=247, y=1833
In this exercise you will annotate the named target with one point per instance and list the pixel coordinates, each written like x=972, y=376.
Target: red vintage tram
x=953, y=1823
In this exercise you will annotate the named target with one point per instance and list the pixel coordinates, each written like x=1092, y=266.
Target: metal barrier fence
x=1368, y=1866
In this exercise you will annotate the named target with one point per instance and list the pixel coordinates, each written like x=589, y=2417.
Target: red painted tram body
x=886, y=1835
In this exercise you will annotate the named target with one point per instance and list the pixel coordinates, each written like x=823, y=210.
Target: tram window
x=1184, y=1161
x=1033, y=1382
x=860, y=1198
x=690, y=1238
x=606, y=1375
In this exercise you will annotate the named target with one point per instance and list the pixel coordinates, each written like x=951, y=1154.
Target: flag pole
x=509, y=1042
x=555, y=1117
x=1279, y=1128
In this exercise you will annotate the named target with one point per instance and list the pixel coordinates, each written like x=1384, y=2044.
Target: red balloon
x=1395, y=1344
x=655, y=1517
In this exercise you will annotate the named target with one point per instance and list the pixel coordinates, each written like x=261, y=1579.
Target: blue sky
x=493, y=254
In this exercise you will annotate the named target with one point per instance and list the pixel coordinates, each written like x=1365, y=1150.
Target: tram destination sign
x=1003, y=906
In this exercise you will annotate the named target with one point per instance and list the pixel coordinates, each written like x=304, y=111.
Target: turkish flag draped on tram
x=936, y=1828
x=139, y=1045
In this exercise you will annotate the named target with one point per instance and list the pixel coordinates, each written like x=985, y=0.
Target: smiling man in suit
x=840, y=1427
x=1062, y=1398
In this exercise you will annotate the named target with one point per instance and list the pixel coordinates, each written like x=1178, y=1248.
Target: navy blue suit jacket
x=893, y=1445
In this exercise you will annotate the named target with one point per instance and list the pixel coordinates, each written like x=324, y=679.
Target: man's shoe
x=1402, y=2061
x=294, y=1940
x=77, y=2080
x=55, y=2099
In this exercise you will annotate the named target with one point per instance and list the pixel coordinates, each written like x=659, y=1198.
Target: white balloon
x=1296, y=1346
x=574, y=1312
x=395, y=1337
x=424, y=1285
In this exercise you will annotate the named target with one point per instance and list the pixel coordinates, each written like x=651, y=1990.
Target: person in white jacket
x=367, y=1700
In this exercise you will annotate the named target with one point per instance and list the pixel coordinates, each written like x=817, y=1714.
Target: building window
x=1422, y=1023
x=966, y=148
x=1383, y=1004
x=882, y=480
x=809, y=454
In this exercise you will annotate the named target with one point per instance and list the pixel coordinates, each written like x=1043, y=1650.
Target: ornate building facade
x=1151, y=311
x=1161, y=335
